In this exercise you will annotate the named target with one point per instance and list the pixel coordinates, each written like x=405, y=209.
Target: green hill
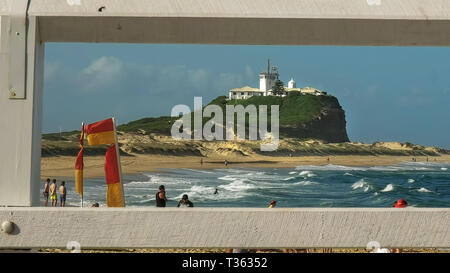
x=301, y=116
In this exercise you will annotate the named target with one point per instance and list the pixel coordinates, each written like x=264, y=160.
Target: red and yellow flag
x=79, y=166
x=101, y=132
x=114, y=194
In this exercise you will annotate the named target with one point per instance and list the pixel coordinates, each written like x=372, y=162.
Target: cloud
x=226, y=81
x=229, y=80
x=250, y=75
x=50, y=69
x=198, y=78
x=416, y=97
x=101, y=73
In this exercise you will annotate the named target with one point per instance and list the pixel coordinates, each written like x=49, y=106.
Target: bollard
x=7, y=227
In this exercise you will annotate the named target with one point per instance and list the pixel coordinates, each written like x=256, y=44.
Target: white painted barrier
x=330, y=22
x=225, y=227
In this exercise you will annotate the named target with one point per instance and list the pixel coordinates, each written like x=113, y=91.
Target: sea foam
x=423, y=190
x=306, y=183
x=362, y=184
x=388, y=188
x=306, y=173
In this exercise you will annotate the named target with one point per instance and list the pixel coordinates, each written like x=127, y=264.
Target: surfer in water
x=161, y=197
x=216, y=191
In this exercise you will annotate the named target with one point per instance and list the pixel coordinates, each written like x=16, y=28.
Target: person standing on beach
x=185, y=203
x=45, y=191
x=161, y=197
x=62, y=194
x=53, y=196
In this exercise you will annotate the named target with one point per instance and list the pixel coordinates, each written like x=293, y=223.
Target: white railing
x=225, y=227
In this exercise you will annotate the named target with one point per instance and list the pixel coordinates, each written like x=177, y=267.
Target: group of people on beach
x=50, y=190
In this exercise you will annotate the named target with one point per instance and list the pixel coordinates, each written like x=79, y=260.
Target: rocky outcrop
x=328, y=126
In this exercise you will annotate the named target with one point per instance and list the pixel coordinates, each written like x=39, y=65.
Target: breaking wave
x=307, y=174
x=388, y=188
x=423, y=190
x=362, y=184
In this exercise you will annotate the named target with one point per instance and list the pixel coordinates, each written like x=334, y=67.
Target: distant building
x=245, y=93
x=267, y=80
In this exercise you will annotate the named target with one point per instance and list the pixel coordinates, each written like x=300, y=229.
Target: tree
x=278, y=88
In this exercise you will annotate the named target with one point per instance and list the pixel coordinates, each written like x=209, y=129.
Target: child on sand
x=53, y=196
x=62, y=194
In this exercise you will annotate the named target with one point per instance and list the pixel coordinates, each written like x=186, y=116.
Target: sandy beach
x=222, y=250
x=63, y=166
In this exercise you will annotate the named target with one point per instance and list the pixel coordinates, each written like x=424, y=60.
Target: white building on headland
x=267, y=80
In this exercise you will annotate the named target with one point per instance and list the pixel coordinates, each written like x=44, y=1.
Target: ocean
x=420, y=184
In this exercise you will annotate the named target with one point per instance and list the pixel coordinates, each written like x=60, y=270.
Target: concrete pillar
x=20, y=121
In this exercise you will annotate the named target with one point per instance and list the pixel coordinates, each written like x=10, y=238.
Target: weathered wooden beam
x=287, y=22
x=225, y=227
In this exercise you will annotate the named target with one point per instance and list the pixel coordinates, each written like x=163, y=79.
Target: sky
x=388, y=93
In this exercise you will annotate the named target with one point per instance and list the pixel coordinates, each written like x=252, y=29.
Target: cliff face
x=328, y=126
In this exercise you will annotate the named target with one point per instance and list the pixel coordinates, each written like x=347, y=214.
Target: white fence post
x=20, y=119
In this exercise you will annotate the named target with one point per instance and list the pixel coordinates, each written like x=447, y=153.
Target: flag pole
x=82, y=143
x=118, y=159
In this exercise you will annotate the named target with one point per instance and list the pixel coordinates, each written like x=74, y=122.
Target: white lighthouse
x=291, y=83
x=268, y=78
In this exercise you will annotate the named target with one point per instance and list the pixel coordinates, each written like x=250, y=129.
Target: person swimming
x=184, y=202
x=273, y=203
x=400, y=203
